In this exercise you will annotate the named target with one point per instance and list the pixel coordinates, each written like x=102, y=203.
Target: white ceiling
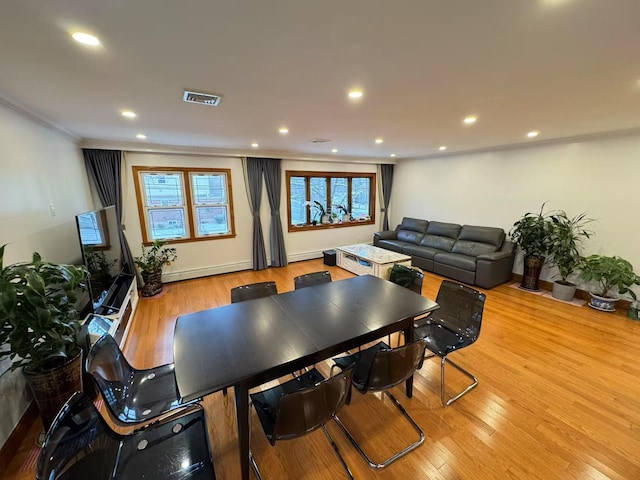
x=564, y=67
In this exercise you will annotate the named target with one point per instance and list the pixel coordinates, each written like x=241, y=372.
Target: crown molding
x=36, y=118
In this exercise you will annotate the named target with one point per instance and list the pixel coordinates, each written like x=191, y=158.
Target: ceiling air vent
x=319, y=140
x=201, y=98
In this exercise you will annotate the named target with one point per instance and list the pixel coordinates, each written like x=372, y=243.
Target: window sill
x=325, y=226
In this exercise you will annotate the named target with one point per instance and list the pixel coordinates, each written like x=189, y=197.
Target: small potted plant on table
x=151, y=262
x=610, y=273
x=39, y=324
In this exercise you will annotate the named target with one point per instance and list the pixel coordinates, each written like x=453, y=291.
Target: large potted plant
x=564, y=244
x=531, y=234
x=151, y=262
x=40, y=325
x=611, y=273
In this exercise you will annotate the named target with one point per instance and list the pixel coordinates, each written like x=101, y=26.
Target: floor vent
x=201, y=98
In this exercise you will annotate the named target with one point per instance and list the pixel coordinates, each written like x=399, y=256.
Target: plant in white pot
x=611, y=273
x=565, y=236
x=39, y=324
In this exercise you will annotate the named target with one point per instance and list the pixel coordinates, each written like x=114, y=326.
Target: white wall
x=232, y=254
x=39, y=168
x=599, y=177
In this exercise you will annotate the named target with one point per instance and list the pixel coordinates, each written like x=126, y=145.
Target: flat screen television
x=101, y=253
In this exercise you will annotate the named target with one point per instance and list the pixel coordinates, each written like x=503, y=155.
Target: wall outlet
x=52, y=210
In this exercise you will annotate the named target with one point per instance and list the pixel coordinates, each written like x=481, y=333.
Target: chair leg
x=396, y=456
x=337, y=450
x=446, y=403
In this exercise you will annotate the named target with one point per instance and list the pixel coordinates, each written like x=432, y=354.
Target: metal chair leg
x=446, y=403
x=337, y=450
x=396, y=456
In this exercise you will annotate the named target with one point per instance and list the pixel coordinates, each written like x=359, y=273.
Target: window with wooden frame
x=184, y=204
x=329, y=199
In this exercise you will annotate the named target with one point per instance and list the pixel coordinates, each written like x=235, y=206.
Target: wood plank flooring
x=558, y=395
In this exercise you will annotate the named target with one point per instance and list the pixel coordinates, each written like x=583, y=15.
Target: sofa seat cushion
x=393, y=245
x=464, y=262
x=417, y=251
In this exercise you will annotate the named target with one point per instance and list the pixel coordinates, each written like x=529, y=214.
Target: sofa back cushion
x=413, y=224
x=409, y=236
x=474, y=241
x=441, y=235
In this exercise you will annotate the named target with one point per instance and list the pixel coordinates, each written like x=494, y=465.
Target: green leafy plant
x=156, y=256
x=609, y=272
x=564, y=239
x=531, y=233
x=37, y=307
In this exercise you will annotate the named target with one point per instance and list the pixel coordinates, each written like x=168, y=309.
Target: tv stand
x=116, y=312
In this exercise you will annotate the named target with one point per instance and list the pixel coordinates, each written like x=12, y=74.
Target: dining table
x=243, y=345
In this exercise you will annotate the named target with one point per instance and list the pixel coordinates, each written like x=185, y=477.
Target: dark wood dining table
x=249, y=343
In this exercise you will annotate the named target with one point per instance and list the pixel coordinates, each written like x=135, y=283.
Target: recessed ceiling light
x=533, y=134
x=283, y=130
x=255, y=145
x=392, y=155
x=141, y=136
x=470, y=120
x=379, y=141
x=128, y=114
x=355, y=93
x=334, y=150
x=442, y=148
x=85, y=39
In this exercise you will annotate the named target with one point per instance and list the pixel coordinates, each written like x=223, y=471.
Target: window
x=347, y=199
x=184, y=204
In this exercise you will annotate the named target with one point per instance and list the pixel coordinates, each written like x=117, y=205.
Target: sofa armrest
x=385, y=235
x=495, y=268
x=494, y=256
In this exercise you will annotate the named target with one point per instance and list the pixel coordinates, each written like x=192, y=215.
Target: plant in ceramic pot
x=564, y=241
x=40, y=325
x=151, y=262
x=611, y=273
x=531, y=234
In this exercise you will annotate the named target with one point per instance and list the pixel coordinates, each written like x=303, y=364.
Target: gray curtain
x=254, y=183
x=273, y=180
x=105, y=169
x=386, y=174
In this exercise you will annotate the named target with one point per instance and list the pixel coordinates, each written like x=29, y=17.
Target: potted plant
x=345, y=216
x=531, y=234
x=564, y=242
x=100, y=277
x=40, y=325
x=151, y=262
x=610, y=273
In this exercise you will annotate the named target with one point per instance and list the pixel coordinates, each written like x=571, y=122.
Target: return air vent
x=319, y=140
x=201, y=98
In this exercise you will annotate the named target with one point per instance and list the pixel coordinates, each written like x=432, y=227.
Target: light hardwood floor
x=558, y=395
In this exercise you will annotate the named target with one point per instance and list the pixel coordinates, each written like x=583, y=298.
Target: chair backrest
x=311, y=279
x=460, y=311
x=110, y=369
x=407, y=277
x=253, y=290
x=303, y=411
x=394, y=365
x=80, y=444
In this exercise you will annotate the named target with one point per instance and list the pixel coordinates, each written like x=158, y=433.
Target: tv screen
x=101, y=252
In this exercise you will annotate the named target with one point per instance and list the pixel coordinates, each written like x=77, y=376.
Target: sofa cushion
x=409, y=236
x=464, y=262
x=413, y=224
x=489, y=235
x=393, y=245
x=443, y=229
x=440, y=243
x=473, y=249
x=417, y=251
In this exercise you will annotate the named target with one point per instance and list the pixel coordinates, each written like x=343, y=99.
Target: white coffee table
x=363, y=259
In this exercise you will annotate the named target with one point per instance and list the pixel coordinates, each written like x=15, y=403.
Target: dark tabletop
x=262, y=339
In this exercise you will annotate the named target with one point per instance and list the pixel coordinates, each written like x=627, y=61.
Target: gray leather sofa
x=473, y=255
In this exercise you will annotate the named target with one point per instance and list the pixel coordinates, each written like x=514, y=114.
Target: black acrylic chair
x=311, y=279
x=407, y=277
x=455, y=325
x=300, y=406
x=253, y=290
x=379, y=368
x=80, y=444
x=132, y=396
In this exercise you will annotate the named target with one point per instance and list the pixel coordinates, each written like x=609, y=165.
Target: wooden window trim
x=328, y=175
x=188, y=202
